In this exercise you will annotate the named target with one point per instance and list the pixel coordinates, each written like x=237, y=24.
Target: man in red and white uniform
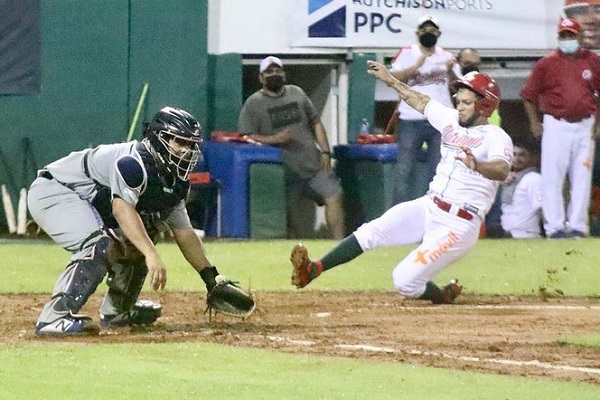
x=475, y=157
x=564, y=87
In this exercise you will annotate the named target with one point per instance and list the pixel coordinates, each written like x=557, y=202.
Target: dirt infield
x=511, y=336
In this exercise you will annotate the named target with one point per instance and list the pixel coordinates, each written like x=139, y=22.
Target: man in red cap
x=563, y=86
x=587, y=14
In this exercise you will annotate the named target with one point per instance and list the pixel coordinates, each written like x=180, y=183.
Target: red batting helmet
x=487, y=91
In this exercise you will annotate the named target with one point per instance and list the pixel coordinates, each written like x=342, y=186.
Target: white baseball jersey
x=430, y=79
x=445, y=235
x=453, y=180
x=521, y=217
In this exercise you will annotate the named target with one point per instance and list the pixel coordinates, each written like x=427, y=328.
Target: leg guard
x=77, y=283
x=125, y=281
x=126, y=276
x=120, y=306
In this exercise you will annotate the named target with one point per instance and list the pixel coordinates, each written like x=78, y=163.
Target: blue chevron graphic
x=331, y=26
x=314, y=5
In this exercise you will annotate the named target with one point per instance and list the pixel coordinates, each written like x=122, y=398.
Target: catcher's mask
x=175, y=136
x=486, y=89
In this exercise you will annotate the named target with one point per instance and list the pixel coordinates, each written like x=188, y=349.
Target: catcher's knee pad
x=125, y=281
x=81, y=278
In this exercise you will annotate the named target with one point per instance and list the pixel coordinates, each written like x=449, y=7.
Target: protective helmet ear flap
x=485, y=106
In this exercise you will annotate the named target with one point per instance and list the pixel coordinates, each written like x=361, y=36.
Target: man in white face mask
x=563, y=86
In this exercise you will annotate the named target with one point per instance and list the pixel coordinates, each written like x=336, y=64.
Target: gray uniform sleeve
x=178, y=218
x=116, y=166
x=120, y=168
x=128, y=179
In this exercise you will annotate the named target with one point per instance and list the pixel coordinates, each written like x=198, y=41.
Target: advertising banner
x=482, y=24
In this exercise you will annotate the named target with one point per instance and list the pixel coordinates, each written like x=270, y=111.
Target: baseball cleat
x=70, y=324
x=301, y=266
x=451, y=291
x=144, y=312
x=561, y=234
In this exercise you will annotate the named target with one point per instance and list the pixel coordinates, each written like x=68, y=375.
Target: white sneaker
x=70, y=324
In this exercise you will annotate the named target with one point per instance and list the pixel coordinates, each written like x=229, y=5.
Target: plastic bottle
x=364, y=127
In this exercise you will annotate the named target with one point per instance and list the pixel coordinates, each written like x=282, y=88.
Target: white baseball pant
x=444, y=238
x=567, y=150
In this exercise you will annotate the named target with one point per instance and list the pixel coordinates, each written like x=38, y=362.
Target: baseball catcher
x=108, y=206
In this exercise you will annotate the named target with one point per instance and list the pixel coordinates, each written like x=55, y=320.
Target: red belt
x=459, y=212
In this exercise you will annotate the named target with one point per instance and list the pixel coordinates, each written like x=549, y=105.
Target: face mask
x=568, y=46
x=274, y=83
x=469, y=68
x=428, y=39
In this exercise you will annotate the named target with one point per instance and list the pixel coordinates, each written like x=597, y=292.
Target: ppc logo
x=332, y=25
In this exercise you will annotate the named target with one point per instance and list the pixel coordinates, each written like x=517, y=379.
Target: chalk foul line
x=378, y=349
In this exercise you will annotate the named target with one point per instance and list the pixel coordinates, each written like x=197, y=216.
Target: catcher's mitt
x=229, y=299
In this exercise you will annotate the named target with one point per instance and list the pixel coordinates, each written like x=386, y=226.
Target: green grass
x=55, y=370
x=207, y=371
x=587, y=341
x=494, y=267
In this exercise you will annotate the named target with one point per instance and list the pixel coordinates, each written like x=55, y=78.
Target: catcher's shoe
x=304, y=270
x=143, y=312
x=451, y=291
x=70, y=324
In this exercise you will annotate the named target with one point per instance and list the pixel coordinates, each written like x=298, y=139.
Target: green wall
x=168, y=51
x=361, y=94
x=96, y=57
x=225, y=91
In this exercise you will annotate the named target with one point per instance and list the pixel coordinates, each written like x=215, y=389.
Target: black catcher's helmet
x=175, y=135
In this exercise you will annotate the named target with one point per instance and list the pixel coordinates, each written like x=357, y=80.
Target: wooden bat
x=28, y=161
x=22, y=212
x=137, y=112
x=9, y=210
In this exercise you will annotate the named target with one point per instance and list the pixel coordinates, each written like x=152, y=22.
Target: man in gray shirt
x=283, y=115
